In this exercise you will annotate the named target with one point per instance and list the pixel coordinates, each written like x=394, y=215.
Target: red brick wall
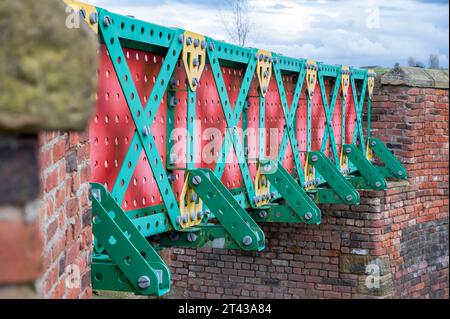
x=65, y=215
x=401, y=233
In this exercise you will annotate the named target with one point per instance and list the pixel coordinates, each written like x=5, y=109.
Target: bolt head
x=178, y=220
x=189, y=41
x=185, y=219
x=145, y=131
x=263, y=214
x=373, y=143
x=207, y=213
x=144, y=282
x=314, y=159
x=193, y=216
x=196, y=180
x=107, y=21
x=378, y=184
x=348, y=150
x=349, y=198
x=93, y=17
x=199, y=214
x=247, y=240
x=196, y=43
x=191, y=237
x=400, y=173
x=308, y=215
x=181, y=38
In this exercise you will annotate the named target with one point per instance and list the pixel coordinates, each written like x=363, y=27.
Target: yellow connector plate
x=264, y=70
x=194, y=57
x=89, y=11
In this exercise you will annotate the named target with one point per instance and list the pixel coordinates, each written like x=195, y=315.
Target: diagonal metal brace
x=393, y=168
x=294, y=195
x=369, y=172
x=237, y=222
x=337, y=182
x=126, y=246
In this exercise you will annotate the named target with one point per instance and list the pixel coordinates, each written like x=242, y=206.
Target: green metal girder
x=370, y=173
x=393, y=168
x=129, y=250
x=107, y=276
x=209, y=235
x=237, y=222
x=275, y=213
x=294, y=195
x=359, y=103
x=337, y=182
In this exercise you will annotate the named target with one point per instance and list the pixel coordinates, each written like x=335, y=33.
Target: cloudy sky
x=349, y=32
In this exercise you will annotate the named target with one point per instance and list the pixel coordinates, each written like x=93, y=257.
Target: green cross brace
x=142, y=122
x=289, y=116
x=232, y=117
x=359, y=108
x=329, y=110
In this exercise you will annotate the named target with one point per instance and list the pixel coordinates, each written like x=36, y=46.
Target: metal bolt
x=378, y=184
x=144, y=282
x=199, y=214
x=196, y=180
x=308, y=215
x=194, y=197
x=145, y=131
x=194, y=81
x=273, y=194
x=185, y=219
x=189, y=41
x=207, y=213
x=348, y=150
x=173, y=101
x=373, y=143
x=195, y=62
x=82, y=13
x=400, y=173
x=268, y=168
x=247, y=240
x=263, y=214
x=193, y=216
x=107, y=21
x=349, y=198
x=261, y=57
x=266, y=58
x=264, y=182
x=266, y=74
x=93, y=17
x=314, y=159
x=196, y=43
x=191, y=237
x=172, y=178
x=173, y=81
x=178, y=220
x=203, y=45
x=211, y=46
x=256, y=56
x=181, y=38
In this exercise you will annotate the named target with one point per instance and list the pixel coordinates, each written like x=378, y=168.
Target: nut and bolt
x=145, y=131
x=348, y=150
x=263, y=214
x=196, y=180
x=373, y=143
x=194, y=81
x=178, y=220
x=207, y=213
x=193, y=216
x=203, y=45
x=144, y=282
x=378, y=184
x=189, y=41
x=247, y=240
x=191, y=237
x=211, y=46
x=308, y=215
x=185, y=219
x=400, y=173
x=194, y=197
x=181, y=38
x=107, y=21
x=173, y=101
x=93, y=17
x=195, y=62
x=196, y=43
x=82, y=13
x=314, y=159
x=349, y=198
x=199, y=214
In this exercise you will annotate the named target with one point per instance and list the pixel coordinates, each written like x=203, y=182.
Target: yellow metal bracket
x=343, y=161
x=190, y=206
x=311, y=77
x=310, y=174
x=371, y=82
x=194, y=57
x=87, y=12
x=345, y=80
x=369, y=153
x=262, y=189
x=264, y=70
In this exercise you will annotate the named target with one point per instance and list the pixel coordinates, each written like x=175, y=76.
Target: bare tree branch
x=239, y=25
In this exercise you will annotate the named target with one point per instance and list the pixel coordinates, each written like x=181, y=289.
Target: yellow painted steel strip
x=88, y=9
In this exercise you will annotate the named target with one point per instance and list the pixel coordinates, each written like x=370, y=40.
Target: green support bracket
x=337, y=182
x=275, y=213
x=130, y=251
x=393, y=168
x=107, y=276
x=294, y=195
x=237, y=222
x=369, y=172
x=209, y=235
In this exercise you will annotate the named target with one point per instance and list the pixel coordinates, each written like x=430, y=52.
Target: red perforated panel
x=112, y=127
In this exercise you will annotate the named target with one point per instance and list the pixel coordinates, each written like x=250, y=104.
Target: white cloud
x=333, y=31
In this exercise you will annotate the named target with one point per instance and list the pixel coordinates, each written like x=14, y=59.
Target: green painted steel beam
x=294, y=195
x=237, y=222
x=129, y=250
x=370, y=173
x=337, y=182
x=275, y=213
x=393, y=168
